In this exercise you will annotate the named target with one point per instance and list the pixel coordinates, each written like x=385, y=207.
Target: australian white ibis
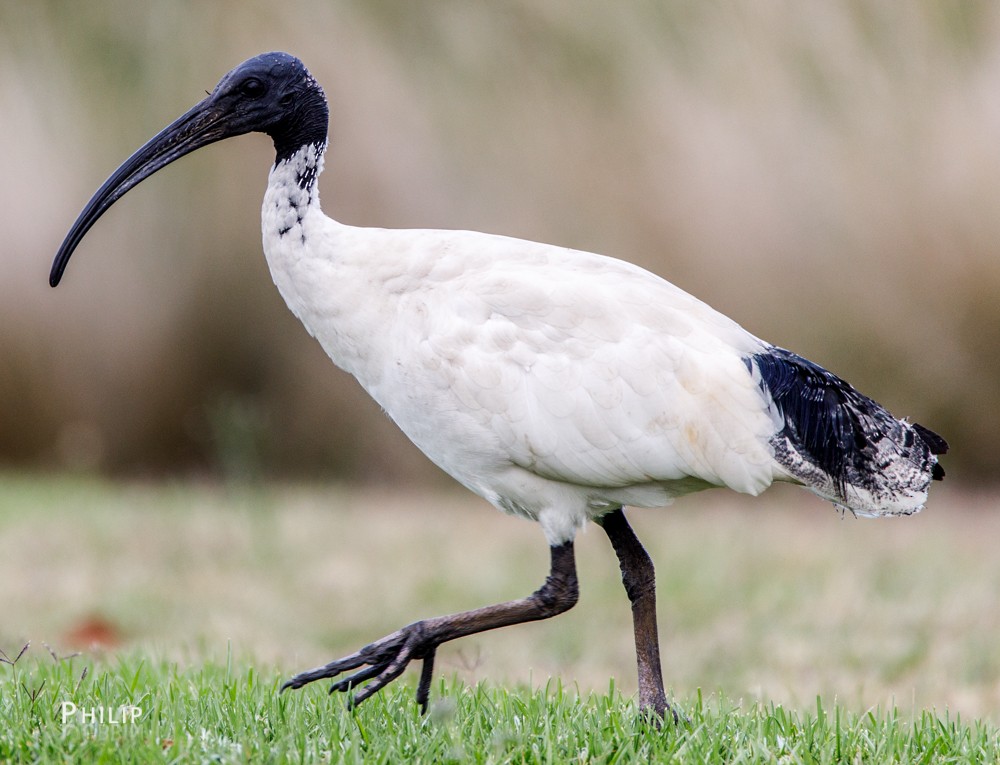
x=559, y=385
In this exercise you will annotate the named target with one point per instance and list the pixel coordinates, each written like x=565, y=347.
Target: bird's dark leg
x=639, y=579
x=385, y=659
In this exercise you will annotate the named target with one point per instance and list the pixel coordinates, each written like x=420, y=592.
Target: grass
x=218, y=712
x=816, y=638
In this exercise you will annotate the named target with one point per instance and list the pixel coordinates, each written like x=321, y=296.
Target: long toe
x=381, y=662
x=426, y=673
x=379, y=653
x=332, y=669
x=356, y=679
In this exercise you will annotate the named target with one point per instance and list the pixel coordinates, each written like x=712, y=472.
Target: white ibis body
x=559, y=385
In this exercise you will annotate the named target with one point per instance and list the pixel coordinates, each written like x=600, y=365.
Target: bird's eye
x=252, y=88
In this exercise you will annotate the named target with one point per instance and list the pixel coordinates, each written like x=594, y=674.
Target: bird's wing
x=594, y=372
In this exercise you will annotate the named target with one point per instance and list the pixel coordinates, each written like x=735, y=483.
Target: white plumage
x=554, y=383
x=559, y=385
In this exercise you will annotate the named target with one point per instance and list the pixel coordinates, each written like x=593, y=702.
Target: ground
x=775, y=599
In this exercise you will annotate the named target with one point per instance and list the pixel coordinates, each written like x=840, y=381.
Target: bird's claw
x=382, y=662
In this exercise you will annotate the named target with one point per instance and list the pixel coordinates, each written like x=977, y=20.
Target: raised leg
x=385, y=659
x=639, y=579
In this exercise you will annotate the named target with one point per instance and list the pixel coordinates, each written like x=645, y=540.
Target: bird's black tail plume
x=841, y=443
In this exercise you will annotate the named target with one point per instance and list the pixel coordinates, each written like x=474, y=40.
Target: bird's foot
x=653, y=702
x=658, y=714
x=382, y=661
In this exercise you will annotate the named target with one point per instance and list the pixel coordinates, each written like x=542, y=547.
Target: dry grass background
x=776, y=598
x=826, y=173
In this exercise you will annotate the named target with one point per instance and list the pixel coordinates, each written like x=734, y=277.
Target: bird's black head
x=272, y=93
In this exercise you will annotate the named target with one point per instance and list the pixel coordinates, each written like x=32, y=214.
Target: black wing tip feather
x=935, y=444
x=833, y=425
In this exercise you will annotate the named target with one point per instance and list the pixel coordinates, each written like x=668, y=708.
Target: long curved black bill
x=202, y=125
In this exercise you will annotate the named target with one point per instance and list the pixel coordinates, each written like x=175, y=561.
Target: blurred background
x=828, y=174
x=181, y=465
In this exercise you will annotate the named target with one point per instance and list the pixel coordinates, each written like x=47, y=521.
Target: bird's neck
x=303, y=250
x=292, y=223
x=303, y=166
x=291, y=192
x=306, y=125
